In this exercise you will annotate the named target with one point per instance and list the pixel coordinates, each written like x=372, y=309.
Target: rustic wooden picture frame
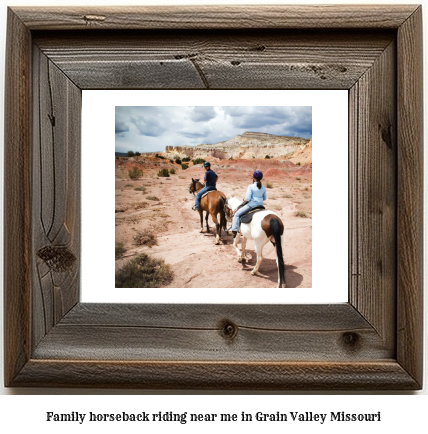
x=372, y=342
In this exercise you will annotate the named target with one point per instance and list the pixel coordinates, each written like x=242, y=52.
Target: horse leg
x=259, y=251
x=217, y=236
x=235, y=244
x=206, y=221
x=243, y=245
x=201, y=213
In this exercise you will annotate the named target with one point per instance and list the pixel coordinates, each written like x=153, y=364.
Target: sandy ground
x=164, y=207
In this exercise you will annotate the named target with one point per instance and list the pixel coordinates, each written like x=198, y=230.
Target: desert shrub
x=269, y=184
x=186, y=159
x=140, y=188
x=267, y=157
x=198, y=161
x=171, y=161
x=178, y=161
x=152, y=198
x=160, y=156
x=163, y=172
x=184, y=166
x=119, y=250
x=172, y=171
x=298, y=164
x=298, y=179
x=137, y=154
x=145, y=238
x=300, y=214
x=135, y=173
x=143, y=272
x=130, y=153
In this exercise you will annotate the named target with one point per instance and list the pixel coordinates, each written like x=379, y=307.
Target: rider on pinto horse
x=256, y=194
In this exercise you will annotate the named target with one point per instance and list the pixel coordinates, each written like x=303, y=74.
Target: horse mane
x=233, y=202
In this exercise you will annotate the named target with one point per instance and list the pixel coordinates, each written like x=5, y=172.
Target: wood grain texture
x=17, y=193
x=372, y=342
x=410, y=196
x=216, y=59
x=386, y=375
x=56, y=198
x=196, y=332
x=217, y=17
x=373, y=177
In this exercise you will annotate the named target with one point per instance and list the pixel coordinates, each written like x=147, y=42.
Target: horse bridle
x=194, y=181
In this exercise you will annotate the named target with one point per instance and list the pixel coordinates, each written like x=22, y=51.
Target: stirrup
x=194, y=209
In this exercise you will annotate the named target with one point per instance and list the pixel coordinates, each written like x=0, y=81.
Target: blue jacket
x=255, y=196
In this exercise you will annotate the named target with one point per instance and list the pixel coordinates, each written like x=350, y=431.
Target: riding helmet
x=206, y=164
x=258, y=175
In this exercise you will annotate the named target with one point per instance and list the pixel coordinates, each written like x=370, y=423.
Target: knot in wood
x=228, y=330
x=58, y=259
x=351, y=340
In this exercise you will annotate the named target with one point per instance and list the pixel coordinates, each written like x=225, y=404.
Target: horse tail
x=222, y=213
x=276, y=232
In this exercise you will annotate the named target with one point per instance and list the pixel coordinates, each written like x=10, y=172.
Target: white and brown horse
x=213, y=204
x=265, y=226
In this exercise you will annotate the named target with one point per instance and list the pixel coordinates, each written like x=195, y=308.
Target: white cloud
x=151, y=128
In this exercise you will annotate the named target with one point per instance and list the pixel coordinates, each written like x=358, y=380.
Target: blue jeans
x=200, y=193
x=235, y=221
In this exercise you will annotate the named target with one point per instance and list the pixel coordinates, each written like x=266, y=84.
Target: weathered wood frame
x=372, y=342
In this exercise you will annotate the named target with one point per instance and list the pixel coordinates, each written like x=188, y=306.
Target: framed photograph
x=370, y=341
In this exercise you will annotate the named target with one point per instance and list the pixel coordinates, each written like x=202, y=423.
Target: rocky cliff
x=245, y=146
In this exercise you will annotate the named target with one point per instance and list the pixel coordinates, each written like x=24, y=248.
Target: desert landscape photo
x=159, y=150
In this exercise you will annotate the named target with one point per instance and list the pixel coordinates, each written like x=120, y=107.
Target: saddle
x=208, y=192
x=248, y=216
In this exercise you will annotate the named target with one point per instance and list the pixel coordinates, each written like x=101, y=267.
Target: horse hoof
x=253, y=273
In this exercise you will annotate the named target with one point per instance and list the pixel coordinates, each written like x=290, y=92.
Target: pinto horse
x=213, y=204
x=265, y=226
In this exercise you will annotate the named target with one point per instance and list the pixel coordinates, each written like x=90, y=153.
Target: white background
x=329, y=196
x=400, y=412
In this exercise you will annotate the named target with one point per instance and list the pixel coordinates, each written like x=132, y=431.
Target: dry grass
x=145, y=238
x=301, y=214
x=143, y=272
x=119, y=250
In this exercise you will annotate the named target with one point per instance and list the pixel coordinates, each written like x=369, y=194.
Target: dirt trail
x=163, y=205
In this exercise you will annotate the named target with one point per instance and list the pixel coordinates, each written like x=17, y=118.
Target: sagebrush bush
x=172, y=171
x=140, y=188
x=269, y=184
x=186, y=159
x=119, y=250
x=152, y=198
x=267, y=157
x=163, y=172
x=300, y=214
x=178, y=161
x=135, y=173
x=145, y=238
x=184, y=166
x=143, y=272
x=198, y=161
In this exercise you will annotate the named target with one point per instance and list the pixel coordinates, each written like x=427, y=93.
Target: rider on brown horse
x=210, y=179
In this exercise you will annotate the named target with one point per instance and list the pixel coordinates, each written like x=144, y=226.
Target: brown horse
x=213, y=204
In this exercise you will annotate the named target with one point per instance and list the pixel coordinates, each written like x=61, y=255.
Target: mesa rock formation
x=247, y=146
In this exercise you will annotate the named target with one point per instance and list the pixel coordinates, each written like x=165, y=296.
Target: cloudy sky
x=150, y=129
